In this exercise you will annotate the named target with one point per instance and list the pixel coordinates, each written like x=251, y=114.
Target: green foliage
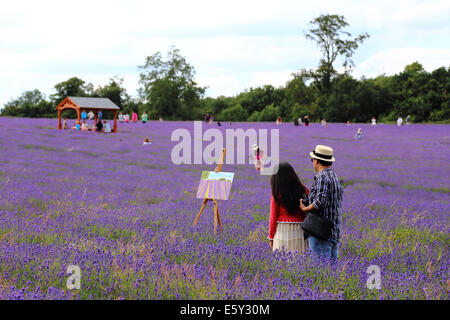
x=235, y=113
x=258, y=98
x=168, y=87
x=299, y=111
x=73, y=87
x=269, y=113
x=327, y=31
x=30, y=104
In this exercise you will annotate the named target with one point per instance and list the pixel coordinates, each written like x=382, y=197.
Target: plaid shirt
x=326, y=197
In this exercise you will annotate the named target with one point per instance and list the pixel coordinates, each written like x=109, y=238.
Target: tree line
x=168, y=89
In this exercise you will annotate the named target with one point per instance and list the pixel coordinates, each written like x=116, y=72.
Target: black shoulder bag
x=317, y=225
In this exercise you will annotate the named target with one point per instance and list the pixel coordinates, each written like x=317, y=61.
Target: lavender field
x=123, y=212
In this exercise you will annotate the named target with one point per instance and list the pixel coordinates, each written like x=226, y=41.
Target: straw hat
x=322, y=152
x=255, y=147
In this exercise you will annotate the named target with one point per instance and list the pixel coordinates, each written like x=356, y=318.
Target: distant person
x=358, y=134
x=146, y=141
x=99, y=126
x=65, y=126
x=258, y=156
x=91, y=116
x=106, y=127
x=300, y=121
x=306, y=121
x=285, y=220
x=279, y=120
x=160, y=119
x=77, y=125
x=408, y=119
x=374, y=121
x=144, y=117
x=121, y=117
x=84, y=126
x=296, y=122
x=211, y=119
x=134, y=117
x=323, y=123
x=348, y=123
x=219, y=124
x=100, y=115
x=399, y=121
x=325, y=199
x=83, y=115
x=126, y=118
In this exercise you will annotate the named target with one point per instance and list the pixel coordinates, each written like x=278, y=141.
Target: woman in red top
x=285, y=215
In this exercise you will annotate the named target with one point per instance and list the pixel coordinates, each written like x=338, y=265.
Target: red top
x=278, y=213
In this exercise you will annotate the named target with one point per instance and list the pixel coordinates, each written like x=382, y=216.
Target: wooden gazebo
x=81, y=103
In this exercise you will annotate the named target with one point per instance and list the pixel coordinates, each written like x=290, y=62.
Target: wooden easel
x=205, y=201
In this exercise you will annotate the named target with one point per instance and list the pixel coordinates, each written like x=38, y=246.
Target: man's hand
x=302, y=206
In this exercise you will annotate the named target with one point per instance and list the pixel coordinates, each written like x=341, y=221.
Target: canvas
x=215, y=185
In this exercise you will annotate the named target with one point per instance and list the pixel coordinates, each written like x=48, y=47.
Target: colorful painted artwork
x=215, y=185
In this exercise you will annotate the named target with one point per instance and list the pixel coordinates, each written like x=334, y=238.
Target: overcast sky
x=233, y=45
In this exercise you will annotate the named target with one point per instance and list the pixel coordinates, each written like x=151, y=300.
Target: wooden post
x=59, y=119
x=115, y=121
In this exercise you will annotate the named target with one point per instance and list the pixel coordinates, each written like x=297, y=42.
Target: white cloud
x=394, y=60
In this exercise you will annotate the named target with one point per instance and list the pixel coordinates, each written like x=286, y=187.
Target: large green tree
x=329, y=34
x=73, y=87
x=114, y=91
x=30, y=104
x=168, y=88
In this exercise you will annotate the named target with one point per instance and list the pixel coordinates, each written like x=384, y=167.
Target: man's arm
x=320, y=198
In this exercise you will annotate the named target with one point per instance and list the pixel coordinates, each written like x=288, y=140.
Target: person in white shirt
x=400, y=121
x=121, y=117
x=106, y=127
x=374, y=121
x=358, y=134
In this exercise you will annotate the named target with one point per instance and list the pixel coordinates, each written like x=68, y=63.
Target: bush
x=254, y=117
x=298, y=111
x=441, y=114
x=269, y=113
x=234, y=113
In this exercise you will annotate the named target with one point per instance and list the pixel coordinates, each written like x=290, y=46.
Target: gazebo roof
x=94, y=103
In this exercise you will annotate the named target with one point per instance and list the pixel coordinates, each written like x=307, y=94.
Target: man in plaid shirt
x=326, y=199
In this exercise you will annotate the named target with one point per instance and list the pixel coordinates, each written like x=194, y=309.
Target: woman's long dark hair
x=286, y=187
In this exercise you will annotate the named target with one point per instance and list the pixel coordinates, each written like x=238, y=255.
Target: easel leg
x=218, y=218
x=200, y=212
x=215, y=215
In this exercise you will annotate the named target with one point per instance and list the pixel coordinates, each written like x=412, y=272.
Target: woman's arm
x=274, y=212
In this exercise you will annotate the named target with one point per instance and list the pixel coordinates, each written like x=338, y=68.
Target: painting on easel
x=215, y=185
